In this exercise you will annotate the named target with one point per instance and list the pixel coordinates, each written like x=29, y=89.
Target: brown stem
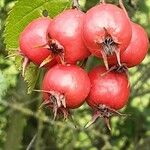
x=103, y=1
x=75, y=4
x=123, y=7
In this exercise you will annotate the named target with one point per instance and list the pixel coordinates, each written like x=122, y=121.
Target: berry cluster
x=62, y=43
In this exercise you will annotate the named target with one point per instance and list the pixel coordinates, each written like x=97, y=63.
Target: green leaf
x=24, y=12
x=31, y=77
x=21, y=15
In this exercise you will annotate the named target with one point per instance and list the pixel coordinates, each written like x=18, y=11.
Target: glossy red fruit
x=109, y=92
x=33, y=36
x=65, y=87
x=106, y=31
x=137, y=49
x=110, y=89
x=66, y=29
x=31, y=40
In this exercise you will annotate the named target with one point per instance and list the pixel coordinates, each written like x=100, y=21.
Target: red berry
x=106, y=30
x=110, y=89
x=66, y=86
x=31, y=40
x=66, y=29
x=109, y=92
x=32, y=37
x=137, y=49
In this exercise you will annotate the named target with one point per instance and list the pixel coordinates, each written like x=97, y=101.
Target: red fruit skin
x=34, y=36
x=137, y=49
x=113, y=19
x=111, y=89
x=66, y=28
x=72, y=81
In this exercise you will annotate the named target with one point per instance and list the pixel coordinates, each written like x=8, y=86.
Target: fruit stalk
x=102, y=1
x=75, y=4
x=123, y=7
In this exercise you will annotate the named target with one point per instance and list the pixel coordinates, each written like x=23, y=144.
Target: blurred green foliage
x=24, y=126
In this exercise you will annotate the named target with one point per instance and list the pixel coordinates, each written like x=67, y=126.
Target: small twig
x=38, y=115
x=102, y=1
x=18, y=107
x=75, y=4
x=31, y=143
x=123, y=7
